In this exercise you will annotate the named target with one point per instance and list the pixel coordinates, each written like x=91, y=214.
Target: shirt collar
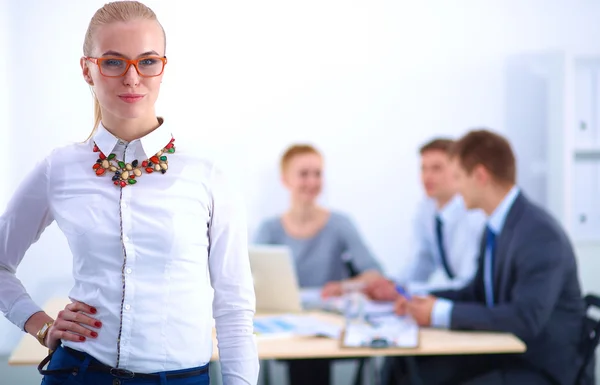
x=148, y=145
x=498, y=217
x=451, y=209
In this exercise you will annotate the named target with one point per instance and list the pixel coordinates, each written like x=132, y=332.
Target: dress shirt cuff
x=441, y=312
x=21, y=311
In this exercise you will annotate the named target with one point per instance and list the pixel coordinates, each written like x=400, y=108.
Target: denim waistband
x=87, y=363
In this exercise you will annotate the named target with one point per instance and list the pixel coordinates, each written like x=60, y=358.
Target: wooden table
x=432, y=342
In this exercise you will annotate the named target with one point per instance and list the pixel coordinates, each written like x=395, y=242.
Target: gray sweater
x=321, y=258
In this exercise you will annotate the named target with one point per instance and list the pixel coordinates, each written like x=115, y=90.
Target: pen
x=402, y=292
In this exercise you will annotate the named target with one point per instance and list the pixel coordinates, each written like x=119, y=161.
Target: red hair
x=295, y=150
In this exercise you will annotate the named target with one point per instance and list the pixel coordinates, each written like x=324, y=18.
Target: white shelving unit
x=554, y=97
x=553, y=121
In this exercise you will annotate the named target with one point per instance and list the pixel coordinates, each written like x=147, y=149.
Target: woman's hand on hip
x=73, y=324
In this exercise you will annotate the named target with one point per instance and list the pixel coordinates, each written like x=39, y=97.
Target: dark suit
x=537, y=297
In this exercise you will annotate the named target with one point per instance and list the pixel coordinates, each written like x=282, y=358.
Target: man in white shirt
x=447, y=235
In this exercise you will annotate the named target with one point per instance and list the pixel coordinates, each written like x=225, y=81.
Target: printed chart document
x=290, y=325
x=388, y=331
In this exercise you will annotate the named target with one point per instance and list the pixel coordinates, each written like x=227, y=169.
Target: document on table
x=311, y=300
x=389, y=331
x=290, y=325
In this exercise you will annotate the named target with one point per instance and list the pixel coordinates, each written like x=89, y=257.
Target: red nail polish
x=81, y=338
x=93, y=310
x=98, y=324
x=94, y=334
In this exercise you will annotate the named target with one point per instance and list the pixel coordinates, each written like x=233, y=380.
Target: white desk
x=432, y=342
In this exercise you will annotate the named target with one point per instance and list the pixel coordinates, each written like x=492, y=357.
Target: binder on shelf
x=586, y=105
x=585, y=221
x=595, y=143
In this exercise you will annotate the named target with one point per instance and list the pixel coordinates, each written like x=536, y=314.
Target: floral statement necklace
x=126, y=173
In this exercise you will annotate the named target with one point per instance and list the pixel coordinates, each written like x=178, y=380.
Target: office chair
x=590, y=339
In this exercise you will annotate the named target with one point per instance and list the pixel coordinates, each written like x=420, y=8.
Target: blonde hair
x=295, y=150
x=117, y=11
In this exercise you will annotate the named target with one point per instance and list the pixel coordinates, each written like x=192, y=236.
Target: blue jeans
x=62, y=359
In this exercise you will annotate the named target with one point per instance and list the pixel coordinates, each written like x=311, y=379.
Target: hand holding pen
x=401, y=303
x=418, y=307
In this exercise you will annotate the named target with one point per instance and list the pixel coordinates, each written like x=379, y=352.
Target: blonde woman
x=152, y=231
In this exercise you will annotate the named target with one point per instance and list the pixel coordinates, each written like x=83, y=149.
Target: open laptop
x=275, y=281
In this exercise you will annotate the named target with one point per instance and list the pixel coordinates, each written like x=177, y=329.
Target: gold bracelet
x=43, y=332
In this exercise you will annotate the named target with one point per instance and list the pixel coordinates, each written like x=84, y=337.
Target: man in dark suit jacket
x=526, y=283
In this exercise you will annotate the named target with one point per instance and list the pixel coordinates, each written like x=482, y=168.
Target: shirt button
x=126, y=238
x=127, y=307
x=124, y=205
x=128, y=270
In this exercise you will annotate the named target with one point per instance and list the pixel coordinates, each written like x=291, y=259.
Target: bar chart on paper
x=291, y=325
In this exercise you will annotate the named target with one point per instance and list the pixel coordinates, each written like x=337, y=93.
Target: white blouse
x=146, y=255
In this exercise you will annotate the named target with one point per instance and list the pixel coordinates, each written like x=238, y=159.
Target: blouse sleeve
x=264, y=235
x=27, y=215
x=358, y=253
x=231, y=278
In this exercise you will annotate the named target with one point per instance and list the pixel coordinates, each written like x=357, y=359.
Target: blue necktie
x=440, y=244
x=488, y=272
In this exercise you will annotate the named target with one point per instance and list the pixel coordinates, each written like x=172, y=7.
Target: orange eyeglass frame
x=98, y=61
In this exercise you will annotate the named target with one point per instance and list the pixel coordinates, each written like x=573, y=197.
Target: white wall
x=366, y=81
x=5, y=327
x=4, y=108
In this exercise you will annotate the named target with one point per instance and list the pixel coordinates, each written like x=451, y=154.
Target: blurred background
x=367, y=82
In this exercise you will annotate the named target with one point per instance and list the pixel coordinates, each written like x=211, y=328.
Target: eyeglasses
x=114, y=67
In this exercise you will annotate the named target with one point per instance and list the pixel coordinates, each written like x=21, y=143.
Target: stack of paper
x=311, y=300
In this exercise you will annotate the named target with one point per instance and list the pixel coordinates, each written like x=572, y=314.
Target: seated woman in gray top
x=321, y=241
x=327, y=249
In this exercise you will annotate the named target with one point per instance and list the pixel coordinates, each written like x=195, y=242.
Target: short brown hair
x=486, y=148
x=295, y=150
x=438, y=144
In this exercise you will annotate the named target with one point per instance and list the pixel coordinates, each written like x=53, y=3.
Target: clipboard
x=389, y=332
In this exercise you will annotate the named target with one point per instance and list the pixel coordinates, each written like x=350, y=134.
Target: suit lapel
x=503, y=246
x=502, y=262
x=479, y=276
